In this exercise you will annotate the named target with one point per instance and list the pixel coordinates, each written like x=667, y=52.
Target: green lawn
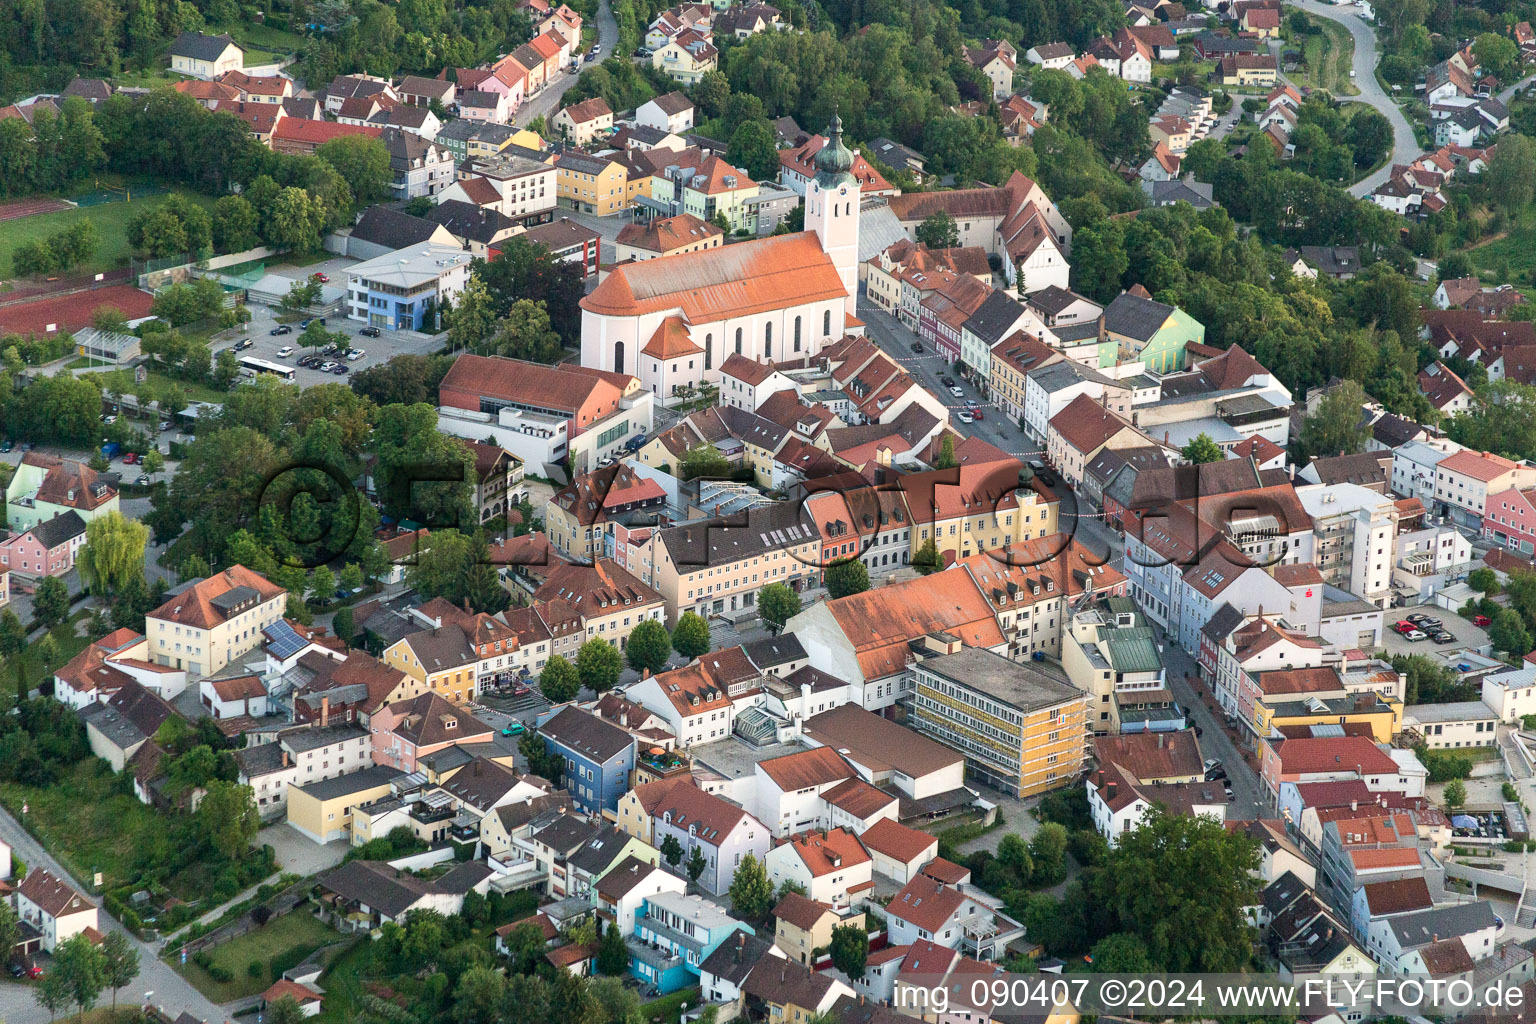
x=294, y=936
x=69, y=642
x=1514, y=251
x=1327, y=56
x=669, y=1009
x=265, y=37
x=87, y=822
x=110, y=220
x=343, y=984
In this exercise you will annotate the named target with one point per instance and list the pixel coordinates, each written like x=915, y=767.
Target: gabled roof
x=818, y=766
x=53, y=896
x=587, y=734
x=1086, y=425
x=1149, y=756
x=197, y=46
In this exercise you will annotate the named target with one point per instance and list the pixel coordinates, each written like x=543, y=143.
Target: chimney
x=1354, y=805
x=325, y=711
x=1159, y=741
x=1165, y=437
x=1113, y=789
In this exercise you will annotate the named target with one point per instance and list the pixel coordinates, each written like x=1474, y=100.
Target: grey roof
x=314, y=737
x=1455, y=711
x=519, y=813
x=559, y=234
x=587, y=734
x=466, y=220
x=481, y=783
x=1109, y=461
x=1053, y=300
x=582, y=163
x=600, y=852
x=1061, y=375
x=1135, y=317
x=59, y=530
x=133, y=714
x=995, y=317
x=407, y=147
x=1195, y=193
x=391, y=228
x=774, y=650
x=1025, y=686
x=1444, y=922
x=392, y=891
x=341, y=785
x=1394, y=431
x=1085, y=331
x=728, y=540
x=734, y=958
x=262, y=759
x=895, y=155
x=1220, y=625
x=197, y=46
x=1332, y=259
x=565, y=833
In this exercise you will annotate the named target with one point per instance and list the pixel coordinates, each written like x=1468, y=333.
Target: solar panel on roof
x=283, y=641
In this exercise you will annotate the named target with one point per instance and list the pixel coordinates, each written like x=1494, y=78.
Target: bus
x=256, y=366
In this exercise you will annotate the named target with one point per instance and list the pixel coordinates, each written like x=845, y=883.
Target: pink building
x=47, y=549
x=1510, y=519
x=408, y=730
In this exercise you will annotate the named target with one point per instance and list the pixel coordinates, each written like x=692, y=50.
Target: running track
x=28, y=207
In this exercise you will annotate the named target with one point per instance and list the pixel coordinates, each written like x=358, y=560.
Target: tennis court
x=102, y=196
x=28, y=207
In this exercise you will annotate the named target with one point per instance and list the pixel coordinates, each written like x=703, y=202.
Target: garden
x=249, y=964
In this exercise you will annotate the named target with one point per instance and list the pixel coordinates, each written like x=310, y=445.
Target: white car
x=965, y=417
x=285, y=352
x=1413, y=636
x=957, y=392
x=356, y=354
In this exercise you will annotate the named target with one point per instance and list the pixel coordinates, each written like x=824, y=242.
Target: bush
x=219, y=972
x=255, y=969
x=1445, y=765
x=1511, y=794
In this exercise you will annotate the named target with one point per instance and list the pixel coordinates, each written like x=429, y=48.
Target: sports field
x=110, y=219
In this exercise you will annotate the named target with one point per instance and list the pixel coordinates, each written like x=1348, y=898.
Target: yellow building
x=1384, y=715
x=1021, y=725
x=1248, y=69
x=1013, y=360
x=591, y=184
x=802, y=926
x=982, y=511
x=719, y=190
x=443, y=659
x=323, y=810
x=213, y=621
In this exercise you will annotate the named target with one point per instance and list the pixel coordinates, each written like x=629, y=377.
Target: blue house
x=406, y=289
x=674, y=933
x=598, y=756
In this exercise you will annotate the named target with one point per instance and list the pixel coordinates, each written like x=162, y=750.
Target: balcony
x=665, y=763
x=652, y=954
x=667, y=935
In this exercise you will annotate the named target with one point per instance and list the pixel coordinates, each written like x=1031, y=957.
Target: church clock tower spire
x=832, y=209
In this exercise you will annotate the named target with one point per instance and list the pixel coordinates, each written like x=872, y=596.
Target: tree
x=850, y=949
x=285, y=1010
x=672, y=850
x=777, y=604
x=236, y=225
x=559, y=682
x=228, y=817
x=946, y=458
x=649, y=647
x=1180, y=885
x=1121, y=954
x=598, y=664
x=322, y=586
x=1455, y=794
x=363, y=163
x=1510, y=176
x=295, y=221
x=1048, y=851
x=847, y=577
x=939, y=231
x=53, y=993
x=10, y=930
x=752, y=150
x=81, y=966
x=1202, y=449
x=477, y=999
x=527, y=271
x=1337, y=427
x=927, y=558
x=751, y=891
x=614, y=1002
x=50, y=602
x=704, y=461
x=696, y=864
x=48, y=652
x=1497, y=54
x=120, y=962
x=471, y=317
x=1507, y=633
x=691, y=637
x=1484, y=580
x=113, y=551
x=612, y=954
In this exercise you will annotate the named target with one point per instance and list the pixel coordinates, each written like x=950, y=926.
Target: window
x=738, y=341
x=618, y=357
x=709, y=351
x=797, y=334
x=768, y=341
x=826, y=323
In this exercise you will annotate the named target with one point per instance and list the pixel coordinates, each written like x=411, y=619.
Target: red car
x=322, y=278
x=130, y=459
x=976, y=412
x=1480, y=620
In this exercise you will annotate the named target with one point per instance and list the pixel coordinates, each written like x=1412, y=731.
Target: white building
x=406, y=289
x=53, y=907
x=1352, y=534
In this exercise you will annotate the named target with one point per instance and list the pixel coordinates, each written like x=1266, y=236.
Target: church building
x=673, y=321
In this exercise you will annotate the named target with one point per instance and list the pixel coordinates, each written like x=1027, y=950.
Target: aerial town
x=595, y=512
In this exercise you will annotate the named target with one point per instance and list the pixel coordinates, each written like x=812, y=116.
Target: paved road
x=1405, y=147
x=171, y=991
x=1509, y=94
x=548, y=101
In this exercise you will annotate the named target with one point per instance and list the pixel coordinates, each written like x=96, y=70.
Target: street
x=548, y=101
x=1405, y=145
x=157, y=983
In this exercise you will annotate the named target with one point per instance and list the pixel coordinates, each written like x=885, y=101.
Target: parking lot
x=1466, y=634
x=264, y=345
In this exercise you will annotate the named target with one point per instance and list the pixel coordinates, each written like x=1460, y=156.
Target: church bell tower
x=832, y=209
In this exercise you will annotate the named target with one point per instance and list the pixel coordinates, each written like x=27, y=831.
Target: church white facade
x=673, y=321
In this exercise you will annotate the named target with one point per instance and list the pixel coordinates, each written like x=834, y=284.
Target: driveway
x=1405, y=147
x=548, y=101
x=298, y=853
x=376, y=350
x=170, y=991
x=1466, y=634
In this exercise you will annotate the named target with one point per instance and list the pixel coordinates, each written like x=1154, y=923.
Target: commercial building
x=406, y=290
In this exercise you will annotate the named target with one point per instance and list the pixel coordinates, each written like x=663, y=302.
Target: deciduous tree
x=777, y=604
x=648, y=647
x=691, y=637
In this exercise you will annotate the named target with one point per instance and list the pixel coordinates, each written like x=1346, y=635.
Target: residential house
x=53, y=908
x=803, y=925
x=45, y=486
x=407, y=731
x=47, y=548
x=205, y=56
x=206, y=623
x=598, y=757
x=686, y=57
x=581, y=123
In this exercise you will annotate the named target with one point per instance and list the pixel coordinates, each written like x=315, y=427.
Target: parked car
x=369, y=332
x=1413, y=636
x=285, y=352
x=917, y=347
x=109, y=420
x=957, y=392
x=326, y=367
x=142, y=480
x=976, y=412
x=280, y=329
x=166, y=425
x=1442, y=637
x=1481, y=620
x=1403, y=626
x=946, y=380
x=965, y=417
x=355, y=354
x=513, y=728
x=6, y=445
x=339, y=369
x=130, y=459
x=323, y=278
x=1045, y=477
